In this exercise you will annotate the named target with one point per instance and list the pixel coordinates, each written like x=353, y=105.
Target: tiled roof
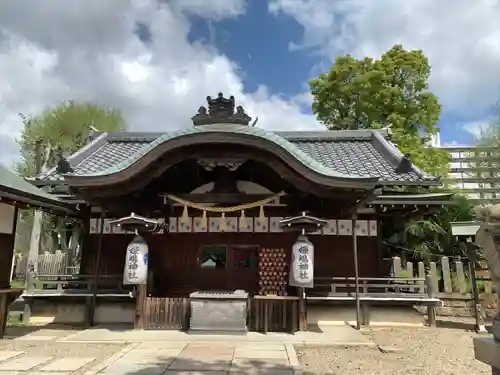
x=16, y=188
x=364, y=153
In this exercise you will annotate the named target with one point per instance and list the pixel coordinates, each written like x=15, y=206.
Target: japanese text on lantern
x=303, y=262
x=133, y=262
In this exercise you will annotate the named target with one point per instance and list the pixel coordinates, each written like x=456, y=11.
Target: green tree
x=431, y=236
x=485, y=161
x=63, y=129
x=389, y=92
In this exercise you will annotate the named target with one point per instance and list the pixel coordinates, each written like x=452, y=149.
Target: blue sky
x=259, y=42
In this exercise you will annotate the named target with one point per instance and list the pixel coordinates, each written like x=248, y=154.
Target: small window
x=213, y=256
x=246, y=256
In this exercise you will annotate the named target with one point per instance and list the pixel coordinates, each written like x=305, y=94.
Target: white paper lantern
x=302, y=264
x=136, y=262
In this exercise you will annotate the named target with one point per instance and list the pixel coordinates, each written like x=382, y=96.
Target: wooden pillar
x=356, y=270
x=140, y=299
x=302, y=309
x=480, y=326
x=431, y=307
x=4, y=309
x=95, y=283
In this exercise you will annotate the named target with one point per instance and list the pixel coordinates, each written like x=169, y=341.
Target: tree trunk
x=36, y=230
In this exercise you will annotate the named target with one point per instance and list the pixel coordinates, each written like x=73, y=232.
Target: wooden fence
x=264, y=313
x=56, y=263
x=166, y=313
x=273, y=313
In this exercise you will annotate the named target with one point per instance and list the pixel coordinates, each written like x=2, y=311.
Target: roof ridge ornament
x=405, y=165
x=221, y=110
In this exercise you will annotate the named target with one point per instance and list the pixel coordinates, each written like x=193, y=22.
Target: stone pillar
x=487, y=349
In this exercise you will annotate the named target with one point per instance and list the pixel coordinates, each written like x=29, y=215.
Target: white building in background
x=473, y=171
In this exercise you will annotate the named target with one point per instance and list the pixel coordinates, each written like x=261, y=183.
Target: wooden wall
x=173, y=258
x=6, y=254
x=8, y=216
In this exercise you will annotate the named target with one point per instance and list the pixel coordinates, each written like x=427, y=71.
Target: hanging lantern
x=136, y=262
x=302, y=263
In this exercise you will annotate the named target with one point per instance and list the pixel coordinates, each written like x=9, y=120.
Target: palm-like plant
x=431, y=235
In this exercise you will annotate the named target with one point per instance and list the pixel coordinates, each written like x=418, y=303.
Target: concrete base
x=46, y=311
x=487, y=350
x=338, y=315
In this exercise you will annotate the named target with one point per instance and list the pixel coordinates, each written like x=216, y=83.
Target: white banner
x=302, y=265
x=136, y=262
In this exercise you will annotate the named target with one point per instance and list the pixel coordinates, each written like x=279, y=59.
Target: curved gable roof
x=354, y=153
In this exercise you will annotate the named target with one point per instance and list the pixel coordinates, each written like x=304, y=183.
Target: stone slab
x=261, y=346
x=35, y=338
x=68, y=364
x=161, y=346
x=146, y=361
x=202, y=353
x=200, y=365
x=10, y=373
x=487, y=350
x=6, y=354
x=182, y=372
x=153, y=353
x=24, y=363
x=131, y=369
x=258, y=371
x=260, y=354
x=245, y=363
x=45, y=373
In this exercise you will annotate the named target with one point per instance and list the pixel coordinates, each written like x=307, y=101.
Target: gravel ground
x=415, y=351
x=52, y=348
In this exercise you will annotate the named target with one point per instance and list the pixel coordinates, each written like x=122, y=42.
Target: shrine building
x=179, y=222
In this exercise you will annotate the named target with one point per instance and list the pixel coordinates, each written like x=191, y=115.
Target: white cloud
x=476, y=128
x=460, y=37
x=88, y=50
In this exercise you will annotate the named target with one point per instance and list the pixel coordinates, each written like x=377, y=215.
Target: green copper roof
x=19, y=189
x=239, y=129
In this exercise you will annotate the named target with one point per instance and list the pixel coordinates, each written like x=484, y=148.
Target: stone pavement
x=330, y=335
x=165, y=358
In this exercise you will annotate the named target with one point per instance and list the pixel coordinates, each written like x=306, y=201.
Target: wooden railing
x=410, y=287
x=273, y=313
x=76, y=284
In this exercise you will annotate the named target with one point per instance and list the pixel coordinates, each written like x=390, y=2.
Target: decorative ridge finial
x=221, y=110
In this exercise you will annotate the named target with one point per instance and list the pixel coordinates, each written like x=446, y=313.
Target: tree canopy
x=63, y=129
x=389, y=92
